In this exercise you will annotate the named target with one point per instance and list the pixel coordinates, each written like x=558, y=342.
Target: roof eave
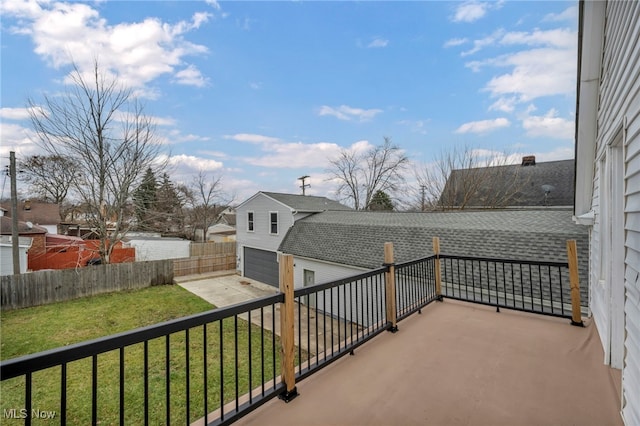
x=590, y=45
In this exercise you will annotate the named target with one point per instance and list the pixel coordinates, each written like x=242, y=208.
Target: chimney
x=529, y=160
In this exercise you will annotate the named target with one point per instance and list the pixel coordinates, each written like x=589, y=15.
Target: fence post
x=574, y=280
x=390, y=284
x=287, y=321
x=436, y=251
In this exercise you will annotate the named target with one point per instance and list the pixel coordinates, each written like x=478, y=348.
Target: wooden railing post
x=436, y=251
x=287, y=344
x=390, y=286
x=574, y=280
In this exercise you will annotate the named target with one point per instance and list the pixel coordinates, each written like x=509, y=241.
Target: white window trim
x=252, y=221
x=277, y=223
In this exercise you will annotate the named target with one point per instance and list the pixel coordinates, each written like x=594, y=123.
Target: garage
x=261, y=265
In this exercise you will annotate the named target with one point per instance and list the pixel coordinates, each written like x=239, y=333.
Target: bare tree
x=101, y=128
x=467, y=177
x=206, y=197
x=50, y=178
x=360, y=175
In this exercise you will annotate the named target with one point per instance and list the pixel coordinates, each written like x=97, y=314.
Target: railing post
x=287, y=344
x=436, y=251
x=574, y=280
x=390, y=286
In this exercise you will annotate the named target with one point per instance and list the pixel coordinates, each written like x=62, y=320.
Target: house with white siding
x=150, y=246
x=607, y=198
x=262, y=221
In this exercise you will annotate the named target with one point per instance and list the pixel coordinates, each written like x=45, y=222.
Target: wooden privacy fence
x=204, y=264
x=43, y=287
x=206, y=257
x=211, y=249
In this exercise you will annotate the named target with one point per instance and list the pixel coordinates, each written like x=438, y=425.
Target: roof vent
x=529, y=160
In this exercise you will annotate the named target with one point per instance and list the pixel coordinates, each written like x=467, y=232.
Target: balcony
x=439, y=340
x=462, y=364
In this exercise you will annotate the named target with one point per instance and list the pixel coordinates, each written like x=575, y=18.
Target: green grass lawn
x=31, y=330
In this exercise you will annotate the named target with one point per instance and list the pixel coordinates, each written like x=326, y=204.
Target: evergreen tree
x=381, y=201
x=145, y=198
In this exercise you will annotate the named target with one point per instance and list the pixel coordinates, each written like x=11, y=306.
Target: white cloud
x=378, y=42
x=561, y=37
x=295, y=155
x=252, y=138
x=560, y=153
x=546, y=69
x=536, y=73
x=138, y=52
x=347, y=113
x=18, y=139
x=14, y=113
x=455, y=42
x=504, y=104
x=484, y=42
x=549, y=126
x=193, y=163
x=417, y=126
x=569, y=14
x=278, y=154
x=483, y=126
x=255, y=85
x=470, y=11
x=191, y=76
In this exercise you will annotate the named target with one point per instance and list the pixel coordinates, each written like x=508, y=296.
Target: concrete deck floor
x=461, y=364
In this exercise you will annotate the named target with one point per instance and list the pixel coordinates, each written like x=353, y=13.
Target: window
x=250, y=221
x=273, y=220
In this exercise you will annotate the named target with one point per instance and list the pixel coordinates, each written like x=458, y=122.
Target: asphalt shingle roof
x=356, y=238
x=307, y=203
x=524, y=183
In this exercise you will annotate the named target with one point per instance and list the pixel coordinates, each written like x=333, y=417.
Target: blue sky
x=263, y=92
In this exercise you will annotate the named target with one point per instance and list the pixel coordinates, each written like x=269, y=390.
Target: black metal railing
x=539, y=287
x=334, y=318
x=415, y=286
x=213, y=366
x=217, y=366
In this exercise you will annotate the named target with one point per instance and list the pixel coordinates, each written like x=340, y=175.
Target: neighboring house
x=608, y=181
x=32, y=241
x=262, y=222
x=227, y=217
x=151, y=246
x=221, y=233
x=6, y=254
x=46, y=215
x=518, y=185
x=333, y=245
x=224, y=230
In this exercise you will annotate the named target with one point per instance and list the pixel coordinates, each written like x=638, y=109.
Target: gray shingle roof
x=357, y=238
x=524, y=183
x=306, y=203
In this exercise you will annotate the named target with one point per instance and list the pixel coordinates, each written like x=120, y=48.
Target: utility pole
x=15, y=238
x=304, y=186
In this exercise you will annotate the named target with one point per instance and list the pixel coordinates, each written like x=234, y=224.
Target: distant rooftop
x=526, y=184
x=306, y=203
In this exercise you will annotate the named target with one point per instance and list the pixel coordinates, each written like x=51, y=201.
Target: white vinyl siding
x=324, y=271
x=619, y=108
